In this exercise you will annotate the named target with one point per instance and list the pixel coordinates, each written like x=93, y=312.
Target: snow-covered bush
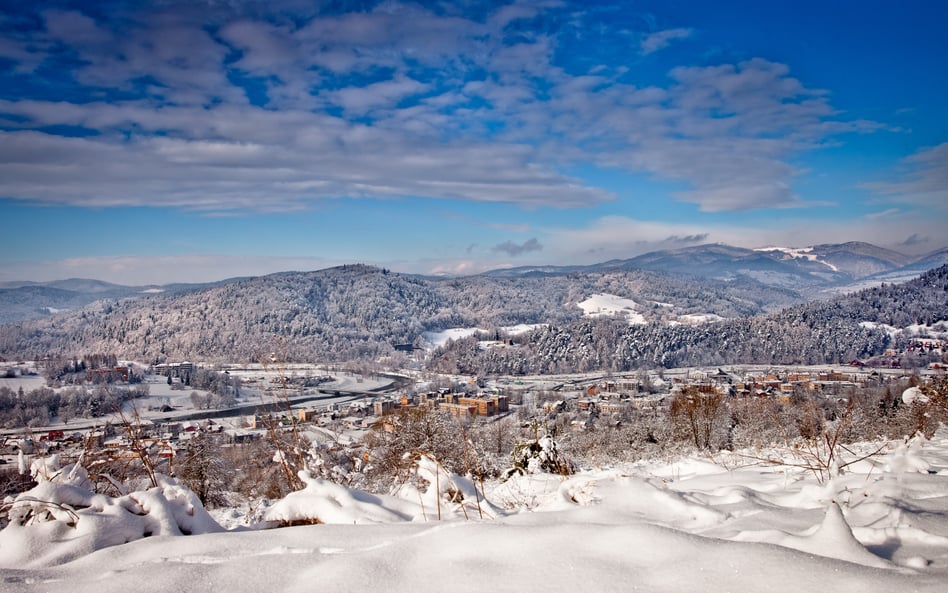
x=540, y=455
x=322, y=501
x=62, y=519
x=396, y=442
x=430, y=493
x=442, y=493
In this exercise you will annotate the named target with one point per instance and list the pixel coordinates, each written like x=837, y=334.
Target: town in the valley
x=162, y=407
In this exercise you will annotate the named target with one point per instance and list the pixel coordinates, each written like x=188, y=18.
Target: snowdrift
x=61, y=519
x=698, y=524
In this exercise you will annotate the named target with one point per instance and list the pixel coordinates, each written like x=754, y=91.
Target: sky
x=188, y=141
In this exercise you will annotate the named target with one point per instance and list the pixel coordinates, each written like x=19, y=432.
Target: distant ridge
x=728, y=281
x=809, y=270
x=20, y=301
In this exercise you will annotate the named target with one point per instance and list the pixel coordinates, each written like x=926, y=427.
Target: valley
x=265, y=398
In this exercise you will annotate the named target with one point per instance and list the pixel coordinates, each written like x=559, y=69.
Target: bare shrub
x=700, y=417
x=759, y=421
x=822, y=446
x=254, y=475
x=398, y=440
x=605, y=441
x=203, y=470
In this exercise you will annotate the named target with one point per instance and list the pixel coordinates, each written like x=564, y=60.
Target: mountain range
x=359, y=311
x=810, y=270
x=22, y=300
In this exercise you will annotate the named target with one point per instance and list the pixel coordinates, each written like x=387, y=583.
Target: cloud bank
x=513, y=249
x=242, y=107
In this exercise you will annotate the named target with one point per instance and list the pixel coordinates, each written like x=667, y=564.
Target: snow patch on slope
x=440, y=338
x=800, y=253
x=938, y=330
x=609, y=305
x=699, y=318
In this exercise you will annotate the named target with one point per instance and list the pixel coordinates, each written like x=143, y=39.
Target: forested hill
x=837, y=331
x=359, y=311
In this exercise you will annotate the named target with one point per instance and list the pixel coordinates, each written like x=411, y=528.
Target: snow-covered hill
x=353, y=312
x=714, y=523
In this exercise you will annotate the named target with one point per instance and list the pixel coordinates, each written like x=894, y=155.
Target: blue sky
x=153, y=142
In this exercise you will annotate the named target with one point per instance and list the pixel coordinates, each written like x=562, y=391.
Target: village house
x=307, y=415
x=458, y=410
x=173, y=369
x=381, y=407
x=616, y=407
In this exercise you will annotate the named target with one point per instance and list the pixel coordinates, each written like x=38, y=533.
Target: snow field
x=701, y=523
x=602, y=305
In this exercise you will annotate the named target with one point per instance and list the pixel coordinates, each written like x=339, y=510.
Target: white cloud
x=265, y=48
x=883, y=214
x=394, y=101
x=25, y=53
x=924, y=181
x=387, y=36
x=661, y=39
x=728, y=131
x=144, y=270
x=74, y=28
x=317, y=162
x=384, y=94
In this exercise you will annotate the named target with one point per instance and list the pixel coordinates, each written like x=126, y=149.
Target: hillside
x=360, y=312
x=798, y=274
x=859, y=325
x=20, y=301
x=357, y=311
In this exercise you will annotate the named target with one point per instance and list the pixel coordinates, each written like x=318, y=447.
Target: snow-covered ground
x=440, y=338
x=27, y=383
x=801, y=253
x=610, y=305
x=717, y=523
x=521, y=328
x=937, y=330
x=698, y=319
x=600, y=305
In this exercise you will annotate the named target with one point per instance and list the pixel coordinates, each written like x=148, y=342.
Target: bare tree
x=698, y=415
x=203, y=470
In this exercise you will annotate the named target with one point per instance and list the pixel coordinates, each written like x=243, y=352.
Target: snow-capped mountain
x=809, y=270
x=855, y=258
